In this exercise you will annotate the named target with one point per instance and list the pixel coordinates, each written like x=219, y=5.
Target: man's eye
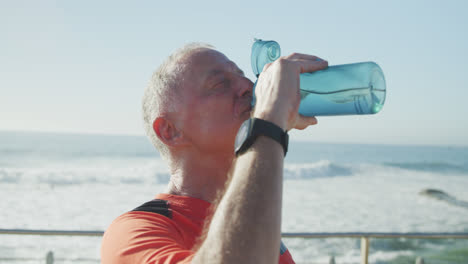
x=224, y=83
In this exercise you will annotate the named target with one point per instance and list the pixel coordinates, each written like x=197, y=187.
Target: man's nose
x=245, y=87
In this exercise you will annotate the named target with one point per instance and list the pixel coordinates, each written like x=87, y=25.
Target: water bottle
x=348, y=89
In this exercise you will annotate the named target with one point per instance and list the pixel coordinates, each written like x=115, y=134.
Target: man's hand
x=277, y=90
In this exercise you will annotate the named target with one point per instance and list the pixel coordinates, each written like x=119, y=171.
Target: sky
x=82, y=66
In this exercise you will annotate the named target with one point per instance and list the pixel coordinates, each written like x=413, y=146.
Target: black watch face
x=242, y=134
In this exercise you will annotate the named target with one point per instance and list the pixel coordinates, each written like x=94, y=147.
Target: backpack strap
x=156, y=206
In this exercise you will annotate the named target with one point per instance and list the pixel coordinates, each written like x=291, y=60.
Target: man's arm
x=246, y=227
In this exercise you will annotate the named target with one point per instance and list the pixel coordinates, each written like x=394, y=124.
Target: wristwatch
x=252, y=128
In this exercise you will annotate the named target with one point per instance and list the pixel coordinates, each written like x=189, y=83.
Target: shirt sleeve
x=143, y=237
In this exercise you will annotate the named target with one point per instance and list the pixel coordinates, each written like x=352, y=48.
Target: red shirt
x=163, y=230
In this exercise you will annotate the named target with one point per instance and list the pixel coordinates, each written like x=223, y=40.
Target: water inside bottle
x=359, y=100
x=340, y=96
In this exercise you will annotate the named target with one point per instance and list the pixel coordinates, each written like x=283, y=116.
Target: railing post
x=50, y=257
x=419, y=260
x=364, y=250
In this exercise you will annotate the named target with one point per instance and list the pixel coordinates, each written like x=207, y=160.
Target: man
x=218, y=208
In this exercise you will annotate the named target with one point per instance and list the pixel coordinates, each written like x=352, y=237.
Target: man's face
x=216, y=99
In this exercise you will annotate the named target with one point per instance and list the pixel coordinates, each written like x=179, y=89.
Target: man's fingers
x=311, y=66
x=307, y=63
x=306, y=57
x=266, y=66
x=303, y=122
x=300, y=56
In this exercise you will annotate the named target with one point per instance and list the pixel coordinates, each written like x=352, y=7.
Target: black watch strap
x=261, y=127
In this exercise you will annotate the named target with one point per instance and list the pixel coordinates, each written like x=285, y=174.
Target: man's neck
x=203, y=177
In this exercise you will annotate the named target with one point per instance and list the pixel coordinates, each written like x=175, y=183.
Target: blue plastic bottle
x=348, y=89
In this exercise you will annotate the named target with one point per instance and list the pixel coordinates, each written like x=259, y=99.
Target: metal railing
x=40, y=232
x=364, y=236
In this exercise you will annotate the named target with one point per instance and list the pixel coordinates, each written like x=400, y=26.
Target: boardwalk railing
x=364, y=236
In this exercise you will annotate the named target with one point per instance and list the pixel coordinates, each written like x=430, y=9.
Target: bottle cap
x=263, y=52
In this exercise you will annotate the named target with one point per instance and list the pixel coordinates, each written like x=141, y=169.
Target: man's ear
x=167, y=132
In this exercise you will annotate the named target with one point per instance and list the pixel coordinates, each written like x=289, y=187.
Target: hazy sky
x=81, y=66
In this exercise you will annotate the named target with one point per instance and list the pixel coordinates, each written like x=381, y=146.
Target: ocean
x=82, y=182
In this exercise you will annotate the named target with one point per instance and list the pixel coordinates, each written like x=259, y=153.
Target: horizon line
x=94, y=133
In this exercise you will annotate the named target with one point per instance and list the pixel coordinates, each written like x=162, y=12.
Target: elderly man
x=223, y=201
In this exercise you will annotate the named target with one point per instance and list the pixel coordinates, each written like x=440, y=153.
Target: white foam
x=322, y=168
x=100, y=171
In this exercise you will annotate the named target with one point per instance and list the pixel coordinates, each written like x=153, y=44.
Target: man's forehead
x=210, y=62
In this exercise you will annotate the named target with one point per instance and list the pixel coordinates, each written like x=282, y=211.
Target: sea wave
x=437, y=167
x=328, y=168
x=319, y=169
x=150, y=171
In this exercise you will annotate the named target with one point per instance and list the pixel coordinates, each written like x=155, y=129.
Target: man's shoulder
x=146, y=230
x=150, y=214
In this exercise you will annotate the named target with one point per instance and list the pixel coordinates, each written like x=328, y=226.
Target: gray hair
x=160, y=95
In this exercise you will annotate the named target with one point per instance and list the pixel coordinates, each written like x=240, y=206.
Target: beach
x=82, y=182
